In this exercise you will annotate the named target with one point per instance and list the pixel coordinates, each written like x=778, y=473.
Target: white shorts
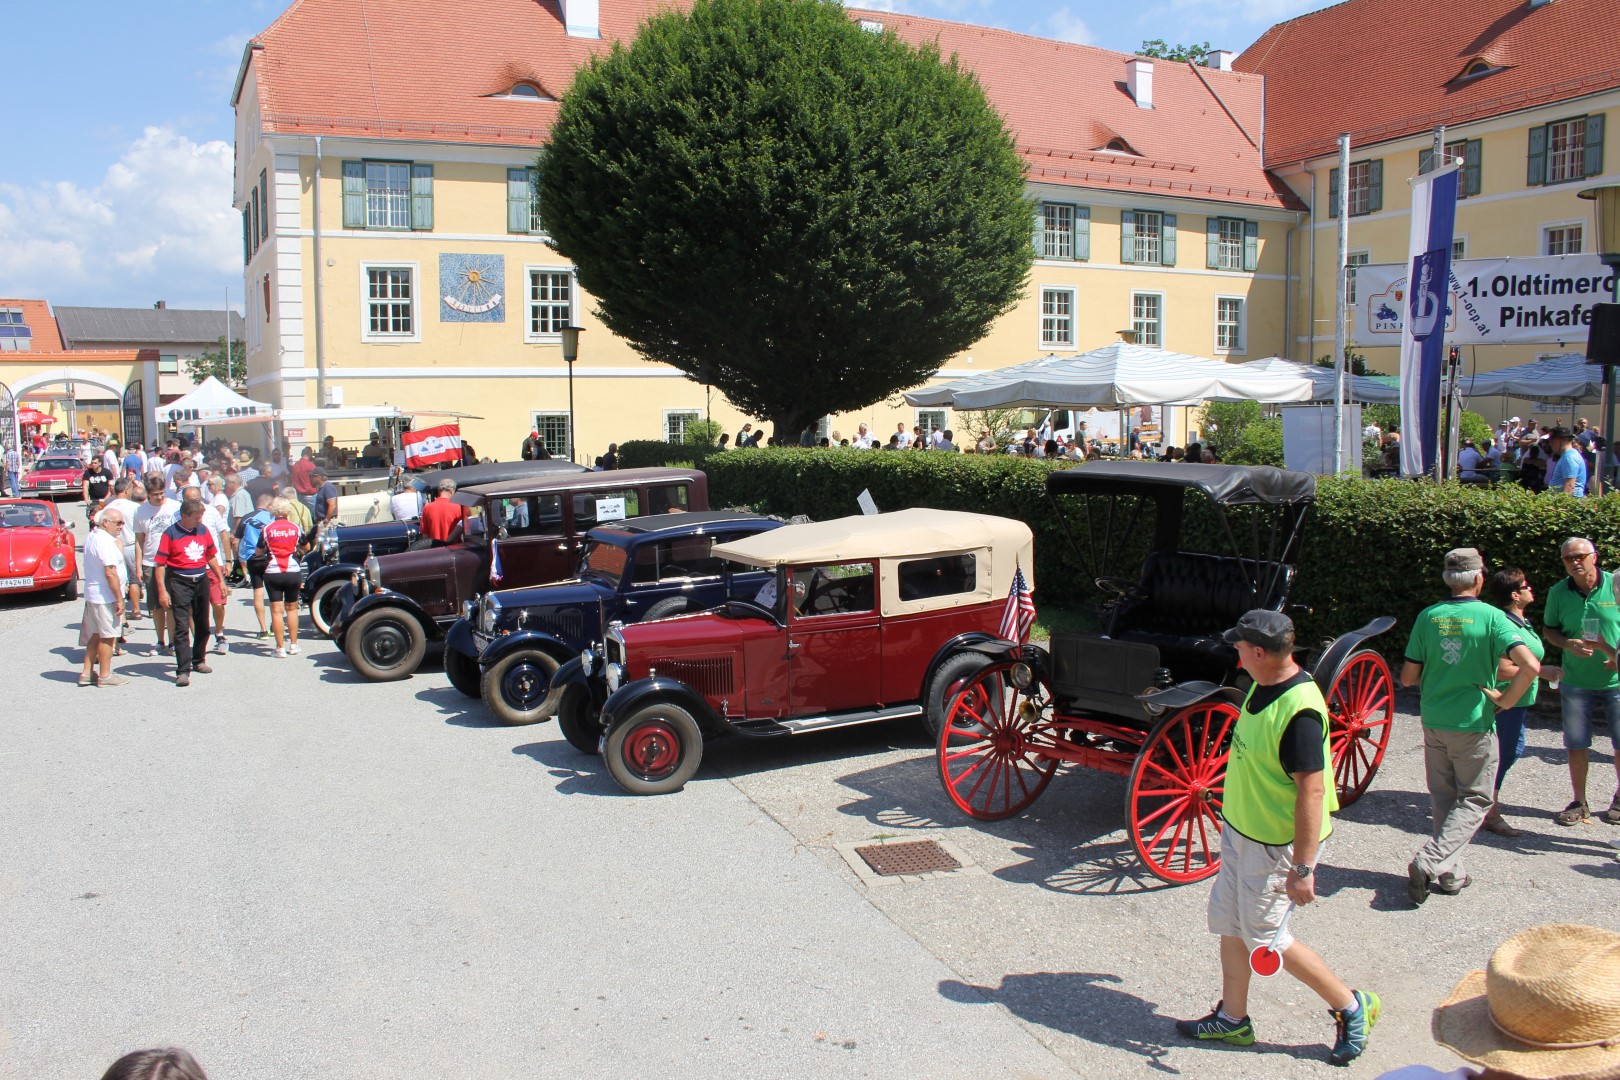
x=1251, y=890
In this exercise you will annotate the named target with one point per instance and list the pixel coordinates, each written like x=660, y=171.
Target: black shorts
x=255, y=571
x=283, y=588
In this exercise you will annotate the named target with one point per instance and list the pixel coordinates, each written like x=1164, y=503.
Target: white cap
x=1515, y=420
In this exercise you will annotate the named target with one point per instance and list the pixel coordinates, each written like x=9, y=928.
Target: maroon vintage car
x=36, y=549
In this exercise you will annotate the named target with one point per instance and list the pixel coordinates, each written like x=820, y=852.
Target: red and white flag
x=431, y=446
x=1019, y=614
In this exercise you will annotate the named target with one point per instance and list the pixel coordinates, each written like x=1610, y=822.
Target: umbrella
x=26, y=415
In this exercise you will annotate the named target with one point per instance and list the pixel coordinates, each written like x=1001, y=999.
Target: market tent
x=212, y=402
x=1116, y=374
x=1379, y=389
x=1553, y=378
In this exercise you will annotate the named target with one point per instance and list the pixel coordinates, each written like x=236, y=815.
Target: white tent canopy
x=1361, y=387
x=213, y=402
x=1553, y=378
x=1116, y=374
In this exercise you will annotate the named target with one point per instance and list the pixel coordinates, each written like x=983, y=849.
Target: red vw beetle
x=36, y=549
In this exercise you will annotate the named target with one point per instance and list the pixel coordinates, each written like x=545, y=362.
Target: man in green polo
x=1277, y=803
x=1452, y=657
x=1582, y=620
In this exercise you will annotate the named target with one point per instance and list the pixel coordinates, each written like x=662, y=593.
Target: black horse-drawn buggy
x=1154, y=694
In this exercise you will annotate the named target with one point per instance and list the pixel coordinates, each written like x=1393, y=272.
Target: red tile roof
x=1384, y=69
x=429, y=70
x=47, y=347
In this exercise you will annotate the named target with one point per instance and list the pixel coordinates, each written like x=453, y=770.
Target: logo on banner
x=1426, y=303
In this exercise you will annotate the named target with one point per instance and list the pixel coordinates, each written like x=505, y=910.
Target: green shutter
x=1594, y=144
x=264, y=188
x=1127, y=236
x=1333, y=193
x=517, y=200
x=1536, y=173
x=1167, y=248
x=1251, y=245
x=1375, y=186
x=1082, y=232
x=354, y=194
x=1212, y=242
x=1040, y=230
x=247, y=236
x=422, y=197
x=1473, y=157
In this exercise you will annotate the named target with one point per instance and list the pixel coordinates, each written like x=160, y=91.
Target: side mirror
x=500, y=533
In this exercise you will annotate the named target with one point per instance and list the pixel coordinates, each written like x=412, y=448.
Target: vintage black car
x=508, y=644
x=341, y=552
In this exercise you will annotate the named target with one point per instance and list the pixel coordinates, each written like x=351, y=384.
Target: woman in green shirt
x=1508, y=590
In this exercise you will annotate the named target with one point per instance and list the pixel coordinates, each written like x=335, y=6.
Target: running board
x=801, y=725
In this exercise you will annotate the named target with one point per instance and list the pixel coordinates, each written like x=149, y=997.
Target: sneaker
x=114, y=679
x=281, y=654
x=1218, y=1027
x=292, y=650
x=1417, y=883
x=87, y=680
x=219, y=645
x=264, y=635
x=183, y=679
x=202, y=669
x=165, y=649
x=1353, y=1028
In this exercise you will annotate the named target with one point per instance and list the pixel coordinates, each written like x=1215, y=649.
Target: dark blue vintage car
x=508, y=643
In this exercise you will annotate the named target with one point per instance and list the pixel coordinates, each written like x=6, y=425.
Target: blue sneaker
x=1353, y=1028
x=1219, y=1028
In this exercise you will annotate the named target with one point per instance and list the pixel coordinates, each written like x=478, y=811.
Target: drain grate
x=912, y=857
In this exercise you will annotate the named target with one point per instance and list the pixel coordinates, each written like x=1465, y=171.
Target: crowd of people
x=1540, y=457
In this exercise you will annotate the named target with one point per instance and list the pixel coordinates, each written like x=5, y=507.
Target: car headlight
x=615, y=677
x=59, y=561
x=329, y=542
x=469, y=611
x=374, y=572
x=587, y=660
x=490, y=613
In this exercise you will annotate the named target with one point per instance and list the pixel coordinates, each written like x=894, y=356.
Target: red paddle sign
x=1266, y=960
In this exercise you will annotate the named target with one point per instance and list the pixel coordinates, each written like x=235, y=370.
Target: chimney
x=1219, y=59
x=1139, y=80
x=161, y=305
x=582, y=18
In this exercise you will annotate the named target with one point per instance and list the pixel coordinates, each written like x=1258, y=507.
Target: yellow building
x=394, y=255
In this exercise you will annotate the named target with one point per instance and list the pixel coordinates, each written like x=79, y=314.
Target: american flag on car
x=1019, y=614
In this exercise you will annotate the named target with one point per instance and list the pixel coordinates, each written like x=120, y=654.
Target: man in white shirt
x=14, y=465
x=214, y=520
x=126, y=508
x=104, y=586
x=156, y=514
x=863, y=438
x=110, y=462
x=406, y=502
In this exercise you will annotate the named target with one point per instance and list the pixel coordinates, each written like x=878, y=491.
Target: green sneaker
x=1216, y=1026
x=1353, y=1028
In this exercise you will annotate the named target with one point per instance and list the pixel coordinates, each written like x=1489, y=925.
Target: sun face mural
x=472, y=288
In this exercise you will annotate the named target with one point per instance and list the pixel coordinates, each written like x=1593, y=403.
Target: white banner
x=1492, y=301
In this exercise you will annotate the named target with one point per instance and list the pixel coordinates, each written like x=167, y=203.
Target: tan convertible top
x=902, y=534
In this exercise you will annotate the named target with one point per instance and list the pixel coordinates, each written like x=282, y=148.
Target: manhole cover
x=912, y=857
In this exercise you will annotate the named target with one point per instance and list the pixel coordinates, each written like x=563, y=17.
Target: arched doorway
x=73, y=378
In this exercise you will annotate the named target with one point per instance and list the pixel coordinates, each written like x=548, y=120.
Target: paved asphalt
x=293, y=872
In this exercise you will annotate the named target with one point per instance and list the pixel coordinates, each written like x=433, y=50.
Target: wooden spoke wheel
x=1174, y=798
x=993, y=742
x=1362, y=707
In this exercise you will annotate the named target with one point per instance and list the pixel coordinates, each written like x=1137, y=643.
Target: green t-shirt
x=1533, y=642
x=1458, y=642
x=1566, y=611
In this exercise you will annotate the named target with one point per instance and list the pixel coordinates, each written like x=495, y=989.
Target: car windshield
x=60, y=463
x=24, y=516
x=605, y=560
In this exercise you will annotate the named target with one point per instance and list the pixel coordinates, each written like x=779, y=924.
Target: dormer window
x=525, y=91
x=1477, y=68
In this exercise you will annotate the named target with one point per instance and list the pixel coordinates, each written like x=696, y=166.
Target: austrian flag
x=431, y=446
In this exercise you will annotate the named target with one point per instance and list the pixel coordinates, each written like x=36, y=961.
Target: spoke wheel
x=992, y=744
x=1361, y=704
x=1174, y=798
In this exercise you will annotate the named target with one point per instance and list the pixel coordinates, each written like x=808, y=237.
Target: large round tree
x=802, y=213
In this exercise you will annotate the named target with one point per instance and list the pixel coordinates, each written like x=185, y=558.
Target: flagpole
x=1341, y=308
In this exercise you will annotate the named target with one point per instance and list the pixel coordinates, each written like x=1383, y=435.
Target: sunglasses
x=1578, y=556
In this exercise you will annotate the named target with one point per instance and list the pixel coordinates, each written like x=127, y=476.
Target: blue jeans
x=1509, y=741
x=1579, y=705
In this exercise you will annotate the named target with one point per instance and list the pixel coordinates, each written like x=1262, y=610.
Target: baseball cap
x=1514, y=420
x=1268, y=629
x=1463, y=559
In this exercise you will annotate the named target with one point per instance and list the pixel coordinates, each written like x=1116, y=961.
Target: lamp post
x=1606, y=221
x=570, y=351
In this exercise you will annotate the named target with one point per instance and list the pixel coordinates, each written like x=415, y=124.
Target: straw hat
x=1547, y=1008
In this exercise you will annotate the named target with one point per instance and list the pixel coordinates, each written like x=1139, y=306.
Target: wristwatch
x=1302, y=870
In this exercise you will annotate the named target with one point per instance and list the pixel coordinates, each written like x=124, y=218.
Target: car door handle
x=792, y=645
x=562, y=547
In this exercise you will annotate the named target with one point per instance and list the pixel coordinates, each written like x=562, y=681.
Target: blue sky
x=115, y=180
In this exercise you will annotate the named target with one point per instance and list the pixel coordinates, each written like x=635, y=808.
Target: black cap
x=1271, y=630
x=1560, y=432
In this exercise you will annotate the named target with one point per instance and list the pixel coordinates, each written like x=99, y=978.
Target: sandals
x=1573, y=814
x=1500, y=827
x=1612, y=814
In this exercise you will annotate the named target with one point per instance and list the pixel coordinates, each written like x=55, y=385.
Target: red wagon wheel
x=1362, y=707
x=1174, y=799
x=992, y=745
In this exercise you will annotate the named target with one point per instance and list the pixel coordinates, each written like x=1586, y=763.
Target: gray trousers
x=1461, y=771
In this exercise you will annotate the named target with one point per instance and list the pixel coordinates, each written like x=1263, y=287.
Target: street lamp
x=1605, y=201
x=570, y=351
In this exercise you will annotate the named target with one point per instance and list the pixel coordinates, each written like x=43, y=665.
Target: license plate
x=16, y=583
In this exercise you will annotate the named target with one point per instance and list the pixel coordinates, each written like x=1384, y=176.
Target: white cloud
x=1065, y=25
x=159, y=225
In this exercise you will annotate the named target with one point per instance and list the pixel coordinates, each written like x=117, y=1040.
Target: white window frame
x=538, y=415
x=693, y=413
x=1048, y=231
x=1562, y=226
x=386, y=197
x=931, y=420
x=1230, y=257
x=529, y=336
x=1147, y=245
x=1459, y=246
x=1358, y=197
x=1143, y=294
x=1241, y=346
x=1350, y=268
x=1073, y=295
x=416, y=302
x=1572, y=156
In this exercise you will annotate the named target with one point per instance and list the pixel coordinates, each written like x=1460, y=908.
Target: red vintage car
x=36, y=549
x=58, y=473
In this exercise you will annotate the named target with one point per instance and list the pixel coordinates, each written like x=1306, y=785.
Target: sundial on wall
x=472, y=288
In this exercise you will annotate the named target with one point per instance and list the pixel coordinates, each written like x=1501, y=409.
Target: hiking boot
x=1417, y=883
x=202, y=669
x=1353, y=1028
x=1216, y=1027
x=1451, y=884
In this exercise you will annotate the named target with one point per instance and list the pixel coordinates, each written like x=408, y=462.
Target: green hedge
x=655, y=453
x=1372, y=547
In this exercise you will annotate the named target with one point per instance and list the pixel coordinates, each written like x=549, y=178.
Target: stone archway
x=23, y=385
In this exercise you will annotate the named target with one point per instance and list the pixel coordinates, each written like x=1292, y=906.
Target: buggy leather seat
x=1187, y=600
